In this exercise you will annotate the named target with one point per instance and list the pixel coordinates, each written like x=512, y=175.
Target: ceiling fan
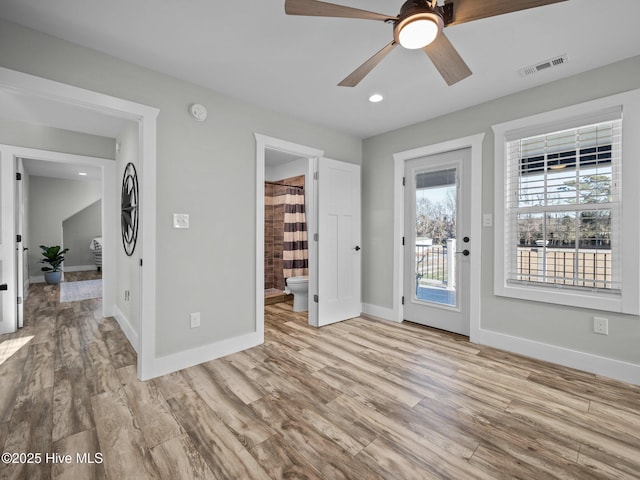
x=418, y=25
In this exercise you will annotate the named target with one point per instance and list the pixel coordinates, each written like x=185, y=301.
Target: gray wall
x=555, y=325
x=128, y=268
x=204, y=169
x=51, y=201
x=208, y=170
x=77, y=232
x=22, y=134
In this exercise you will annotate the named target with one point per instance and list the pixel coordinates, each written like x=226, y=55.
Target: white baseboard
x=607, y=367
x=587, y=362
x=194, y=356
x=378, y=312
x=126, y=327
x=81, y=268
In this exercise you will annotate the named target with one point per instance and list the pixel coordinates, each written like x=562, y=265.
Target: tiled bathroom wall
x=274, y=231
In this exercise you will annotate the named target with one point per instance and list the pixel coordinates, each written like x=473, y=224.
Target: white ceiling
x=251, y=50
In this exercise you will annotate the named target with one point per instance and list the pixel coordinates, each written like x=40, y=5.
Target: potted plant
x=53, y=257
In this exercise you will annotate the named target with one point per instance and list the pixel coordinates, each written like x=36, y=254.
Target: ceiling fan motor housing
x=413, y=10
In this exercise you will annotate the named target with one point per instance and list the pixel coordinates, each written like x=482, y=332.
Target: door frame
x=8, y=309
x=18, y=208
x=109, y=198
x=475, y=171
x=146, y=118
x=263, y=143
x=453, y=318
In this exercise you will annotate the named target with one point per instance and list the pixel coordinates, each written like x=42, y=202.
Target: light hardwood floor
x=360, y=399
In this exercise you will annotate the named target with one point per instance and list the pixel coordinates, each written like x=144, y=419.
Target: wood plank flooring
x=361, y=399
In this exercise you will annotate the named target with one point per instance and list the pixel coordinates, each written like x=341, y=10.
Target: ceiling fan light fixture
x=418, y=33
x=418, y=24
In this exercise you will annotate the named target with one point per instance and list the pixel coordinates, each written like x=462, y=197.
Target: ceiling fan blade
x=469, y=10
x=314, y=8
x=447, y=60
x=363, y=70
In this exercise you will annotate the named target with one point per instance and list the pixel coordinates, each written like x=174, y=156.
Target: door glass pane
x=435, y=214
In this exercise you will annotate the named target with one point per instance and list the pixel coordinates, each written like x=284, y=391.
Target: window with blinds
x=562, y=207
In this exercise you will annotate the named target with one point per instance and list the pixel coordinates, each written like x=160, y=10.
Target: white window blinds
x=562, y=206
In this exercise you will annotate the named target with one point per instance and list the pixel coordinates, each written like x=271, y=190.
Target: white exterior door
x=437, y=243
x=8, y=294
x=339, y=257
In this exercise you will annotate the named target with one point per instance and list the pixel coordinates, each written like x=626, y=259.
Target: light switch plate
x=180, y=220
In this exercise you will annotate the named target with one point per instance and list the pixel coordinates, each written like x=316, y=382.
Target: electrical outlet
x=127, y=295
x=195, y=319
x=601, y=325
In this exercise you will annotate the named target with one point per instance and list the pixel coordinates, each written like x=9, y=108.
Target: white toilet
x=299, y=286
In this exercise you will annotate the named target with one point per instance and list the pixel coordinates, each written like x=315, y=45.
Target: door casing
x=146, y=118
x=315, y=157
x=475, y=143
x=10, y=154
x=264, y=143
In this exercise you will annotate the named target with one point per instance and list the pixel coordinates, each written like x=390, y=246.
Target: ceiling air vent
x=552, y=62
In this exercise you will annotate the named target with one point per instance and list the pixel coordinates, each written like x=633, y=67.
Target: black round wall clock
x=129, y=209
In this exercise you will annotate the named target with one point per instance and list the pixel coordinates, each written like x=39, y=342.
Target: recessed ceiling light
x=82, y=174
x=375, y=98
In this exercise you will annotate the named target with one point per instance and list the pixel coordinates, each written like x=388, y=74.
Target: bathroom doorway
x=281, y=152
x=287, y=207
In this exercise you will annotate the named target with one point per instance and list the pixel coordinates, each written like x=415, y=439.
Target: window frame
x=625, y=300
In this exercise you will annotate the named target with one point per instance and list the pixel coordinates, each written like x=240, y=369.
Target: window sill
x=570, y=297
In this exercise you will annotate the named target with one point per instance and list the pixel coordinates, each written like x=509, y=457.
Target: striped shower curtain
x=295, y=253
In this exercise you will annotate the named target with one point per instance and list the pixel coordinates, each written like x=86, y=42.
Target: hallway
x=50, y=371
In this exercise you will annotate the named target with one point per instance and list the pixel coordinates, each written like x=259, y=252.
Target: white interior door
x=339, y=258
x=437, y=243
x=8, y=292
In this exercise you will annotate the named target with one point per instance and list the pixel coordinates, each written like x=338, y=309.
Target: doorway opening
x=54, y=166
x=63, y=205
x=286, y=253
x=276, y=161
x=71, y=99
